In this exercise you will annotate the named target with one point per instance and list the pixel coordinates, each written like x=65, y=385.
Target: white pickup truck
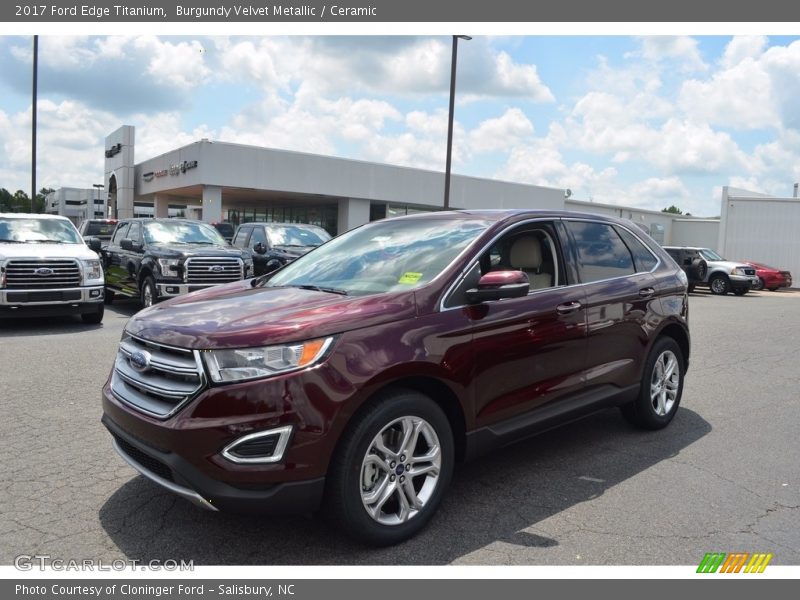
x=47, y=269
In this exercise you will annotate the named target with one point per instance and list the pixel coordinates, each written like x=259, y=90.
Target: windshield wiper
x=45, y=242
x=5, y=241
x=319, y=288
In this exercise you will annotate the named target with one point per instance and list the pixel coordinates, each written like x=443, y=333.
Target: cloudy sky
x=644, y=121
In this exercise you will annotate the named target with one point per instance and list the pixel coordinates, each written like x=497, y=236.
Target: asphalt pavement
x=723, y=477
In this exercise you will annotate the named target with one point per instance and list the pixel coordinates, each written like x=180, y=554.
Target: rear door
x=621, y=302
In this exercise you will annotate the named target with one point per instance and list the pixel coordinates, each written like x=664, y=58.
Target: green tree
x=674, y=210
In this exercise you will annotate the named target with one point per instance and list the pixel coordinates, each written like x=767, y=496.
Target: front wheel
x=759, y=285
x=719, y=284
x=148, y=292
x=93, y=318
x=391, y=469
x=661, y=388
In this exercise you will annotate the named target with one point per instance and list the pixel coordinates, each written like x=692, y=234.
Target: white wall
x=760, y=228
x=640, y=216
x=703, y=233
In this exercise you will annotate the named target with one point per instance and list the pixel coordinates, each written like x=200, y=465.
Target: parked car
x=721, y=275
x=354, y=378
x=46, y=269
x=99, y=228
x=769, y=277
x=276, y=244
x=225, y=229
x=153, y=259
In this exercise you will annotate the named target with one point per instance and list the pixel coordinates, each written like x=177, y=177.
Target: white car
x=47, y=269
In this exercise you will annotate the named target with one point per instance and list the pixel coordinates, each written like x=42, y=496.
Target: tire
x=659, y=398
x=108, y=296
x=740, y=291
x=719, y=284
x=699, y=269
x=147, y=292
x=759, y=285
x=93, y=318
x=360, y=470
x=691, y=288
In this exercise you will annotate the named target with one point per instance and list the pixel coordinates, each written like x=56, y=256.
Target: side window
x=258, y=236
x=241, y=236
x=135, y=232
x=120, y=233
x=642, y=257
x=601, y=252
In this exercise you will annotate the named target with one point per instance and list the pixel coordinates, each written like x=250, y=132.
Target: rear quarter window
x=600, y=251
x=643, y=259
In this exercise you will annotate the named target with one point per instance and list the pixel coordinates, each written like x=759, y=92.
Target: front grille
x=213, y=270
x=154, y=378
x=42, y=274
x=749, y=271
x=148, y=462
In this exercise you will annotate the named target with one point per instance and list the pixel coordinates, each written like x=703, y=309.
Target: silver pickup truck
x=47, y=269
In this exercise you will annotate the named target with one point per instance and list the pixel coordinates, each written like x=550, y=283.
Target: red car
x=356, y=376
x=770, y=277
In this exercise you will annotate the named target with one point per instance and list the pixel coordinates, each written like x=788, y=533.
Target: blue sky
x=645, y=121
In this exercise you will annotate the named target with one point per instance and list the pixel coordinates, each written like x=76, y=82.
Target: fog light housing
x=262, y=447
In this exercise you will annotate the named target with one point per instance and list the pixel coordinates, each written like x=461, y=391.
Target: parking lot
x=725, y=476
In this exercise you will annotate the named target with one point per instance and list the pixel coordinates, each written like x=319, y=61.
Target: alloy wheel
x=400, y=470
x=664, y=383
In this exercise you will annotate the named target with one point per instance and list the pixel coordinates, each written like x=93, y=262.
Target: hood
x=195, y=250
x=44, y=251
x=238, y=315
x=729, y=264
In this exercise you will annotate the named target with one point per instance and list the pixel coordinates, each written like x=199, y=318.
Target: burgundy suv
x=354, y=378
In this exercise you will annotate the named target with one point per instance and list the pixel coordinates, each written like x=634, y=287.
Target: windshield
x=181, y=232
x=58, y=231
x=385, y=256
x=710, y=254
x=289, y=235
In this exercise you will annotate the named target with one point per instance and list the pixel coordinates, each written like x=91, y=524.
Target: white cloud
x=742, y=47
x=681, y=48
x=501, y=133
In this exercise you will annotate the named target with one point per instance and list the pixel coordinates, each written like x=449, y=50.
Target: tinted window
x=226, y=229
x=601, y=252
x=241, y=236
x=642, y=257
x=258, y=236
x=98, y=229
x=120, y=233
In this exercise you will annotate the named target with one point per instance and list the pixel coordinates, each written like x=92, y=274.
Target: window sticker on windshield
x=409, y=278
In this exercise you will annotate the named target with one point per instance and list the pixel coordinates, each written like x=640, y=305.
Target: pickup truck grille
x=156, y=379
x=749, y=271
x=32, y=274
x=213, y=270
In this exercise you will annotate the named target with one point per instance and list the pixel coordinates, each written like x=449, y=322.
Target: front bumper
x=170, y=290
x=743, y=281
x=51, y=302
x=172, y=472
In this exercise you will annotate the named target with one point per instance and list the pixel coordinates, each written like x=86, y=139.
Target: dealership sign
x=176, y=169
x=115, y=149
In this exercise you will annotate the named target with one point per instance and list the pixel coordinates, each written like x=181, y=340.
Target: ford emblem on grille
x=216, y=269
x=140, y=360
x=44, y=272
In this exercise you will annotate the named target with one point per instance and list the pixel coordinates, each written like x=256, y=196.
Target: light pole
x=33, y=118
x=453, y=62
x=98, y=187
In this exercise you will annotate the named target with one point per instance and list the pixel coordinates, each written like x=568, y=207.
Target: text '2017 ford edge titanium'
x=356, y=376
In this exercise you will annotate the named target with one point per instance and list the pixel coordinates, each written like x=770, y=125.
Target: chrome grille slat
x=198, y=270
x=21, y=274
x=172, y=377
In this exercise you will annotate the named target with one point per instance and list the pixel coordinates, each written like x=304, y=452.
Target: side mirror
x=130, y=245
x=260, y=248
x=497, y=285
x=94, y=244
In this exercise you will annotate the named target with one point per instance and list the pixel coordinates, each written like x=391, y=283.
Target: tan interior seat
x=526, y=255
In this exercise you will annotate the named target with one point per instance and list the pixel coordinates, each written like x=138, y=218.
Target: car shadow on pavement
x=499, y=498
x=33, y=325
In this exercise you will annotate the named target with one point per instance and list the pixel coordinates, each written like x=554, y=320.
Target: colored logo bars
x=734, y=563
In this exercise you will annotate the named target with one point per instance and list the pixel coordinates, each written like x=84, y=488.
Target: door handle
x=646, y=292
x=568, y=307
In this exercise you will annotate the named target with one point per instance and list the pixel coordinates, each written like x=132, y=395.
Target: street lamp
x=34, y=94
x=453, y=62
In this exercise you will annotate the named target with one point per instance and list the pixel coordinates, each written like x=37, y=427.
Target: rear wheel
x=391, y=469
x=719, y=284
x=661, y=389
x=699, y=269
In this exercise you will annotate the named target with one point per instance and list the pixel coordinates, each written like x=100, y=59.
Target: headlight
x=169, y=266
x=252, y=363
x=737, y=271
x=92, y=270
x=248, y=266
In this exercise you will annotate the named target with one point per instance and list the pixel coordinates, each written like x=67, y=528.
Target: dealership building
x=220, y=181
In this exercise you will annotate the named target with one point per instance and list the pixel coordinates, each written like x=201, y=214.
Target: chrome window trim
x=284, y=434
x=471, y=265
